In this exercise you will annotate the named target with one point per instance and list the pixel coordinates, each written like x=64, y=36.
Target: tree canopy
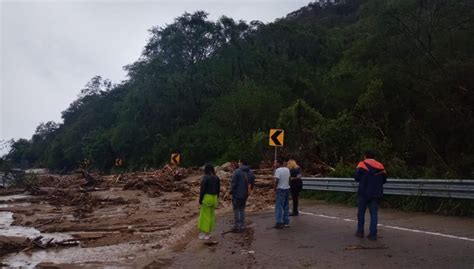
x=393, y=76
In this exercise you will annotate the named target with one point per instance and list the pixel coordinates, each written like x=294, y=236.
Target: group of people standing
x=287, y=180
x=370, y=174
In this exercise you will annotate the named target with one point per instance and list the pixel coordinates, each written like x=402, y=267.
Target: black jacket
x=209, y=185
x=371, y=176
x=296, y=184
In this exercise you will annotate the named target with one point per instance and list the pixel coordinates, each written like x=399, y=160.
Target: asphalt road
x=323, y=237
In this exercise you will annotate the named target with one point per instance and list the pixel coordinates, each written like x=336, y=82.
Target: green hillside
x=394, y=76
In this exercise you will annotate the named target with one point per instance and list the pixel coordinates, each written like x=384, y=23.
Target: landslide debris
x=130, y=208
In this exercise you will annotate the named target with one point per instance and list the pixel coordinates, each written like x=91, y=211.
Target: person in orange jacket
x=371, y=176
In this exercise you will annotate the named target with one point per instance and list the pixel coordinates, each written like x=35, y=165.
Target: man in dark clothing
x=242, y=179
x=371, y=176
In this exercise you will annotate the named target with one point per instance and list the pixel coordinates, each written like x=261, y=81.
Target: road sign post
x=274, y=160
x=276, y=139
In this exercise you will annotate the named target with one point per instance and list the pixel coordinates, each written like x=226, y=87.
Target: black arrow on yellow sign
x=175, y=158
x=276, y=137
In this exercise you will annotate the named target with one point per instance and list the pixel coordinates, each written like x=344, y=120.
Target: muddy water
x=116, y=256
x=6, y=229
x=125, y=255
x=6, y=219
x=64, y=255
x=16, y=204
x=11, y=198
x=76, y=255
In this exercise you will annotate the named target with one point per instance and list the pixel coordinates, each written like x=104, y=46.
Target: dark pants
x=373, y=205
x=281, y=206
x=239, y=213
x=295, y=193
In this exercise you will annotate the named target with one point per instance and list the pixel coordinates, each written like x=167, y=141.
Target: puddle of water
x=107, y=254
x=121, y=253
x=6, y=229
x=115, y=256
x=10, y=198
x=12, y=205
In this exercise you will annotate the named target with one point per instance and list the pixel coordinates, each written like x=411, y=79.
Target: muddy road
x=148, y=220
x=132, y=220
x=119, y=227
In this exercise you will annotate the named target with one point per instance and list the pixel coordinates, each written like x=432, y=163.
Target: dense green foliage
x=394, y=76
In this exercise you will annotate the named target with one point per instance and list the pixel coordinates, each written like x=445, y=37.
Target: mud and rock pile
x=73, y=190
x=132, y=207
x=167, y=173
x=56, y=181
x=69, y=190
x=167, y=179
x=261, y=197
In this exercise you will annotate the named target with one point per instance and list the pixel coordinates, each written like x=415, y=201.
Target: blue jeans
x=282, y=207
x=239, y=213
x=373, y=204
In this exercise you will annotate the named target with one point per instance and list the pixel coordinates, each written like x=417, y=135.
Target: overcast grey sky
x=50, y=49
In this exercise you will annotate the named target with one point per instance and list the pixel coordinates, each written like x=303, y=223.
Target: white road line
x=393, y=227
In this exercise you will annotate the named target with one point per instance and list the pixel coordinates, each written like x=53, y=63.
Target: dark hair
x=209, y=169
x=244, y=162
x=369, y=154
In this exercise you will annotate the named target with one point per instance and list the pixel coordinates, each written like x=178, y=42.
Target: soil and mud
x=148, y=220
x=125, y=220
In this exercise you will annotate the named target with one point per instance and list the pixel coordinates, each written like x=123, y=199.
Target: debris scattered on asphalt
x=358, y=247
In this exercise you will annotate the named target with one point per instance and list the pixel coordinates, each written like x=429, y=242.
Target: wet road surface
x=323, y=237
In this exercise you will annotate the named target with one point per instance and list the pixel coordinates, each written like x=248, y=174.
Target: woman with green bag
x=208, y=197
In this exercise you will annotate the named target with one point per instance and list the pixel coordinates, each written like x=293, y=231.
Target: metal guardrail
x=450, y=188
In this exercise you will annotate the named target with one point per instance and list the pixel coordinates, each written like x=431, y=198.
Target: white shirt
x=282, y=175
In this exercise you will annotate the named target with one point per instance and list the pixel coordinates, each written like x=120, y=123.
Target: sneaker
x=359, y=234
x=206, y=237
x=286, y=226
x=201, y=236
x=294, y=214
x=372, y=237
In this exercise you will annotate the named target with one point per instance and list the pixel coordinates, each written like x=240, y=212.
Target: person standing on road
x=282, y=190
x=296, y=184
x=208, y=199
x=371, y=176
x=243, y=182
